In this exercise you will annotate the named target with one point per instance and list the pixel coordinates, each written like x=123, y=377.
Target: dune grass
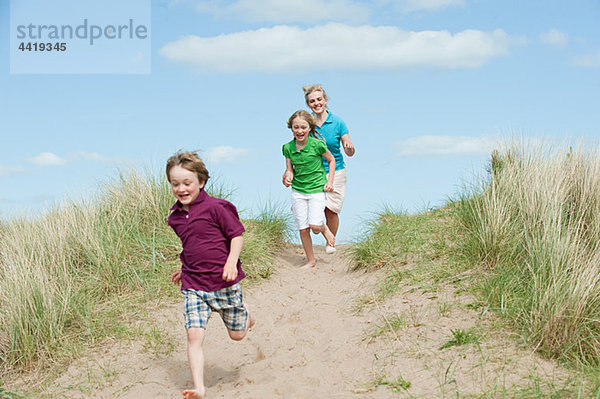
x=75, y=275
x=393, y=236
x=535, y=225
x=394, y=239
x=529, y=231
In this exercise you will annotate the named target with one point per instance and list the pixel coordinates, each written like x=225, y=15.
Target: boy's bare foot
x=193, y=394
x=328, y=236
x=309, y=265
x=251, y=321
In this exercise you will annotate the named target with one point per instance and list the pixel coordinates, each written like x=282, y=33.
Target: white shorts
x=335, y=198
x=308, y=209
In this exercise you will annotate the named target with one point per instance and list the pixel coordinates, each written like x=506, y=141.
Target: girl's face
x=316, y=102
x=301, y=129
x=185, y=185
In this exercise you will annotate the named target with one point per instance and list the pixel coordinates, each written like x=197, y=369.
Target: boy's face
x=185, y=185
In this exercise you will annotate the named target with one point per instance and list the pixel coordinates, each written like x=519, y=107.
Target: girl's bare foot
x=193, y=394
x=309, y=265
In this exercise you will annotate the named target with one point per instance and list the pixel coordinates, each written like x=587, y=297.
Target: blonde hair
x=190, y=161
x=309, y=119
x=308, y=89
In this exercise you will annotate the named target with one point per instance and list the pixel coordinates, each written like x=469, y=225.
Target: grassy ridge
x=531, y=230
x=536, y=226
x=71, y=277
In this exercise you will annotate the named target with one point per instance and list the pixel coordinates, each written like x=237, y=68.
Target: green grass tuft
x=397, y=385
x=461, y=337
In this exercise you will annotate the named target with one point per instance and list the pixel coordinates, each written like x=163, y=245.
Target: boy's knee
x=195, y=335
x=237, y=335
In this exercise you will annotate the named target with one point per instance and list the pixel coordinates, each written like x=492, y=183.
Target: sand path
x=307, y=343
x=311, y=342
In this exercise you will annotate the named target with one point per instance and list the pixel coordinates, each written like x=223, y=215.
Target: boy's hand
x=176, y=277
x=230, y=272
x=287, y=178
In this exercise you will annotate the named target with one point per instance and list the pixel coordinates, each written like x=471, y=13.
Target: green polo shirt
x=309, y=172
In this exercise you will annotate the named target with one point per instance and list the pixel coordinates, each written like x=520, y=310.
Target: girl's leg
x=308, y=248
x=196, y=360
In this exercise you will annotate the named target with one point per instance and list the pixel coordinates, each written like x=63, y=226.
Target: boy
x=211, y=236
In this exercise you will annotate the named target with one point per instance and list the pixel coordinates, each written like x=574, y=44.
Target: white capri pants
x=308, y=209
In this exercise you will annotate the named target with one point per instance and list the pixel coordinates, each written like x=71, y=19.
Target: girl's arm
x=288, y=175
x=331, y=160
x=230, y=271
x=347, y=144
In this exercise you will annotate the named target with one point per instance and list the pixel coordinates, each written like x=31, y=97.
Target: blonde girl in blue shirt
x=335, y=133
x=306, y=174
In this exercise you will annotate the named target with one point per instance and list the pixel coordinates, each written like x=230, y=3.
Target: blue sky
x=426, y=88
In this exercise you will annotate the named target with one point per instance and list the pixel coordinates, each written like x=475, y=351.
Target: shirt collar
x=201, y=197
x=295, y=149
x=327, y=120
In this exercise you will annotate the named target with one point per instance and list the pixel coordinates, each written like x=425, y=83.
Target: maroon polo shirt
x=206, y=231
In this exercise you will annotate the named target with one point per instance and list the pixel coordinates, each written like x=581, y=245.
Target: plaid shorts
x=228, y=302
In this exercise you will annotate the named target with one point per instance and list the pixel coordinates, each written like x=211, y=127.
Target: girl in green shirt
x=304, y=171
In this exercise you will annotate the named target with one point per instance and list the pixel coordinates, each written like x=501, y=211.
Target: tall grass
x=393, y=238
x=535, y=224
x=64, y=276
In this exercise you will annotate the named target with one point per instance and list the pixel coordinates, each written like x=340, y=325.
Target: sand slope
x=310, y=342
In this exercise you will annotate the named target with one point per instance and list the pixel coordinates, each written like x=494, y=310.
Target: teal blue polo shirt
x=332, y=131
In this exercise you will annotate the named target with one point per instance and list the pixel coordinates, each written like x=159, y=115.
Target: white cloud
x=48, y=159
x=554, y=37
x=588, y=60
x=94, y=156
x=428, y=5
x=10, y=170
x=278, y=11
x=223, y=154
x=446, y=145
x=51, y=159
x=336, y=47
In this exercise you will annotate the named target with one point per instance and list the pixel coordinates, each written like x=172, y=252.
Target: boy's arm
x=176, y=277
x=288, y=175
x=347, y=145
x=230, y=271
x=331, y=160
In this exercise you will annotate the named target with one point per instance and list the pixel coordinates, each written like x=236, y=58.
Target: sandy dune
x=310, y=342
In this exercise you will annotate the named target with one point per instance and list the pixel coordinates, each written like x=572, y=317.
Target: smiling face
x=185, y=185
x=317, y=102
x=301, y=129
